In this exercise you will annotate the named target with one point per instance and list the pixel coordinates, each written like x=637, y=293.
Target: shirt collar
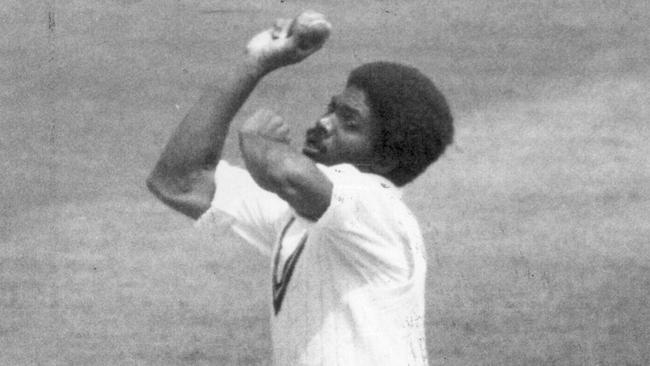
x=380, y=180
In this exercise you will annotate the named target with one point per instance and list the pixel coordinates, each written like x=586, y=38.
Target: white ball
x=311, y=29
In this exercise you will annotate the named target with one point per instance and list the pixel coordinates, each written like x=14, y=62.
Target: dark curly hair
x=416, y=123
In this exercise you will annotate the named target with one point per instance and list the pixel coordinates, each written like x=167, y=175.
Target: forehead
x=355, y=98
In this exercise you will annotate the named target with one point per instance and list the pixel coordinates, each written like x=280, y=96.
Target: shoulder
x=361, y=196
x=367, y=220
x=349, y=176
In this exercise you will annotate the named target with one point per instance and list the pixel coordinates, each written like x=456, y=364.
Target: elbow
x=165, y=185
x=192, y=201
x=154, y=185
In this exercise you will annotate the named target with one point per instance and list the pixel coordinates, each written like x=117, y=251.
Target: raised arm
x=183, y=177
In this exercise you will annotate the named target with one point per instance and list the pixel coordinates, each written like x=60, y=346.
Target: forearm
x=198, y=141
x=292, y=176
x=264, y=159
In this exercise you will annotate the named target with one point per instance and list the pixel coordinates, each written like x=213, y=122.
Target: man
x=348, y=262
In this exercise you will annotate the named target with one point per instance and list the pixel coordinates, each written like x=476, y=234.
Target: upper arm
x=190, y=195
x=304, y=187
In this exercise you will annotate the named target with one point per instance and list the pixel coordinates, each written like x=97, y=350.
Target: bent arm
x=295, y=178
x=183, y=176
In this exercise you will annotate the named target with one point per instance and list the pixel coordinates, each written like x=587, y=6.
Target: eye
x=349, y=121
x=346, y=116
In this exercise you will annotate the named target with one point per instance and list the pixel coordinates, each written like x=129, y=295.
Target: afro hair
x=416, y=123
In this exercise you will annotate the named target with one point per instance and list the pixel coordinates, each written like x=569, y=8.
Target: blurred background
x=537, y=219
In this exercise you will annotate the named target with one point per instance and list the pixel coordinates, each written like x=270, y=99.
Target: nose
x=325, y=124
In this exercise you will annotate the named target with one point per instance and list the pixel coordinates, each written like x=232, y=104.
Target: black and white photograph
x=336, y=183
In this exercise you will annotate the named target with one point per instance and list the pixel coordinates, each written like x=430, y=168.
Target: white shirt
x=347, y=289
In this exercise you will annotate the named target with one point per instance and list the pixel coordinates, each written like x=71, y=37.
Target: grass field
x=537, y=218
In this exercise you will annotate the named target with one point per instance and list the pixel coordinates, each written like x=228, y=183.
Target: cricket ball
x=311, y=29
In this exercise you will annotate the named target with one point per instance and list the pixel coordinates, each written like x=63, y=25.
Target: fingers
x=279, y=129
x=280, y=28
x=265, y=114
x=289, y=41
x=257, y=123
x=267, y=123
x=268, y=117
x=309, y=30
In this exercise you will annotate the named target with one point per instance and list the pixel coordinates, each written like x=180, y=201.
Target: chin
x=316, y=157
x=310, y=153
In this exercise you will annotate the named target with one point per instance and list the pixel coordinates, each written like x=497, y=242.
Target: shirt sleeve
x=250, y=211
x=367, y=225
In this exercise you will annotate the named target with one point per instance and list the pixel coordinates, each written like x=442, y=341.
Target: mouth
x=312, y=148
x=314, y=145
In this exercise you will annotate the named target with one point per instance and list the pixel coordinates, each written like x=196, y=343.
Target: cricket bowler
x=348, y=262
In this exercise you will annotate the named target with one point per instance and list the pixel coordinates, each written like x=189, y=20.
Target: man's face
x=345, y=133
